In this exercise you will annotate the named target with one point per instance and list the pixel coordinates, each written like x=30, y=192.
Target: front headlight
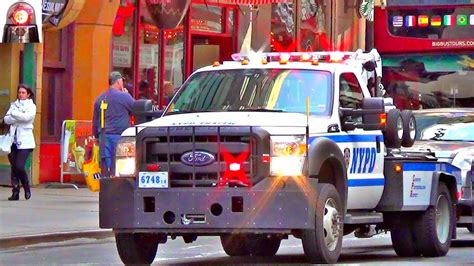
x=125, y=157
x=287, y=155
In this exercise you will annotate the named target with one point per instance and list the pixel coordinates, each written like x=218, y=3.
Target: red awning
x=248, y=2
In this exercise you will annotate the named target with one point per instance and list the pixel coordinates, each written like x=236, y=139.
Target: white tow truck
x=277, y=144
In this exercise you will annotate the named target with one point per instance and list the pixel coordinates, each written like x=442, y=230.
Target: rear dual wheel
x=429, y=233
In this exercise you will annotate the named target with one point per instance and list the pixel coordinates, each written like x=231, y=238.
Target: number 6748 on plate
x=153, y=180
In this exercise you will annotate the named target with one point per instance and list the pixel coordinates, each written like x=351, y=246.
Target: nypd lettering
x=363, y=160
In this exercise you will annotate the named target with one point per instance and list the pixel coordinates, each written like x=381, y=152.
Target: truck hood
x=261, y=119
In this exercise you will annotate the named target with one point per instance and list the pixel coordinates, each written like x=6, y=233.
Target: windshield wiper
x=255, y=109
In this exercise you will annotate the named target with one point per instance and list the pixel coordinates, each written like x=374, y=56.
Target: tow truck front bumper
x=271, y=206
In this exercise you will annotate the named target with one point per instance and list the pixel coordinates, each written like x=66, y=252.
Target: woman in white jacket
x=20, y=117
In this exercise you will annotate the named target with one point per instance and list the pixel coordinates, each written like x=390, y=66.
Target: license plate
x=153, y=180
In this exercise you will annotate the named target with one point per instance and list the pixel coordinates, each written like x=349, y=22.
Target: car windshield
x=450, y=126
x=274, y=90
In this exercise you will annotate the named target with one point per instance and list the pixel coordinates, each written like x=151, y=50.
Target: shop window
x=314, y=25
x=283, y=28
x=148, y=82
x=230, y=21
x=174, y=62
x=206, y=18
x=122, y=46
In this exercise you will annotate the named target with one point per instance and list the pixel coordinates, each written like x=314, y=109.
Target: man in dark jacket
x=112, y=111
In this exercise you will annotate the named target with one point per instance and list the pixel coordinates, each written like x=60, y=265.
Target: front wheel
x=323, y=243
x=434, y=228
x=137, y=248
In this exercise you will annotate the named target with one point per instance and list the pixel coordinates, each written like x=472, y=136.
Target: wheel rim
x=412, y=128
x=331, y=224
x=442, y=219
x=399, y=127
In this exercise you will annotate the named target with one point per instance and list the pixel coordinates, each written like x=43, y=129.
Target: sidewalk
x=50, y=215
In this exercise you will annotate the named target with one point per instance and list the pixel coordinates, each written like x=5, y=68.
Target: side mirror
x=143, y=111
x=372, y=113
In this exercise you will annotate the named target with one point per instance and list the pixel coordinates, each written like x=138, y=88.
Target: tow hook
x=188, y=219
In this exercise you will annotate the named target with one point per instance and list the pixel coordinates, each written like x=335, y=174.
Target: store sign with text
x=53, y=11
x=167, y=14
x=122, y=55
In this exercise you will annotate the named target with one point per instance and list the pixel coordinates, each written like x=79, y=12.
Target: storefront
x=123, y=35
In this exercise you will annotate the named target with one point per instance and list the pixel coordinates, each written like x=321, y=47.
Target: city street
x=207, y=250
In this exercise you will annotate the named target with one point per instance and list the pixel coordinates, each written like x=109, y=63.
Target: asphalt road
x=208, y=251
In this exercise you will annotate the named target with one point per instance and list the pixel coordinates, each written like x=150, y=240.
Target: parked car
x=449, y=133
x=21, y=26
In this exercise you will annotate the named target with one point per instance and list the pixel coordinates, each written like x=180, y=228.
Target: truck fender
x=450, y=182
x=324, y=151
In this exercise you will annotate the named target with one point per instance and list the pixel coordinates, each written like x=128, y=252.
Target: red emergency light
x=21, y=14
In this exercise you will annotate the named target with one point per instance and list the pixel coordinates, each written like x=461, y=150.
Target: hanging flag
x=423, y=21
x=436, y=21
x=471, y=19
x=448, y=20
x=461, y=20
x=410, y=21
x=397, y=21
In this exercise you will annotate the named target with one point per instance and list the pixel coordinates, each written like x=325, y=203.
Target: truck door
x=362, y=149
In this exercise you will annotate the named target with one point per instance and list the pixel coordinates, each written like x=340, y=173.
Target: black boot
x=15, y=193
x=27, y=191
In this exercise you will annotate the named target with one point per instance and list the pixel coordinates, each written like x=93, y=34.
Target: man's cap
x=114, y=76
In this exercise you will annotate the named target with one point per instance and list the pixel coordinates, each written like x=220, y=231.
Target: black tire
x=393, y=132
x=403, y=240
x=234, y=244
x=409, y=128
x=425, y=232
x=137, y=248
x=262, y=245
x=314, y=242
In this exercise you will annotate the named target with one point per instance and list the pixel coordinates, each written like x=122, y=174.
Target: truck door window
x=350, y=92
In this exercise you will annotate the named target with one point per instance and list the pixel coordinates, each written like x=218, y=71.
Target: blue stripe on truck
x=349, y=138
x=419, y=167
x=366, y=182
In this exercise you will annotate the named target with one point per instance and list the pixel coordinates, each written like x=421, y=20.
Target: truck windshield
x=430, y=81
x=277, y=90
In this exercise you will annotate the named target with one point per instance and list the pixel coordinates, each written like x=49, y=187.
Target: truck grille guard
x=205, y=156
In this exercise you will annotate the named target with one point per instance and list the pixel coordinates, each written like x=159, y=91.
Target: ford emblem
x=198, y=158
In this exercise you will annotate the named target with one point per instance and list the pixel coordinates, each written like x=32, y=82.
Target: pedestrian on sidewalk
x=112, y=110
x=20, y=117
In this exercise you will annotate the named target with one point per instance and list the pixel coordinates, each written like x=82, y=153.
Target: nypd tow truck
x=278, y=144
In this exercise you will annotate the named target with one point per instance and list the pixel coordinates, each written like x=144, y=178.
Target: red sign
x=423, y=29
x=167, y=14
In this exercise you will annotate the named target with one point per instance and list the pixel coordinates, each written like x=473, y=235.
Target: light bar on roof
x=294, y=56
